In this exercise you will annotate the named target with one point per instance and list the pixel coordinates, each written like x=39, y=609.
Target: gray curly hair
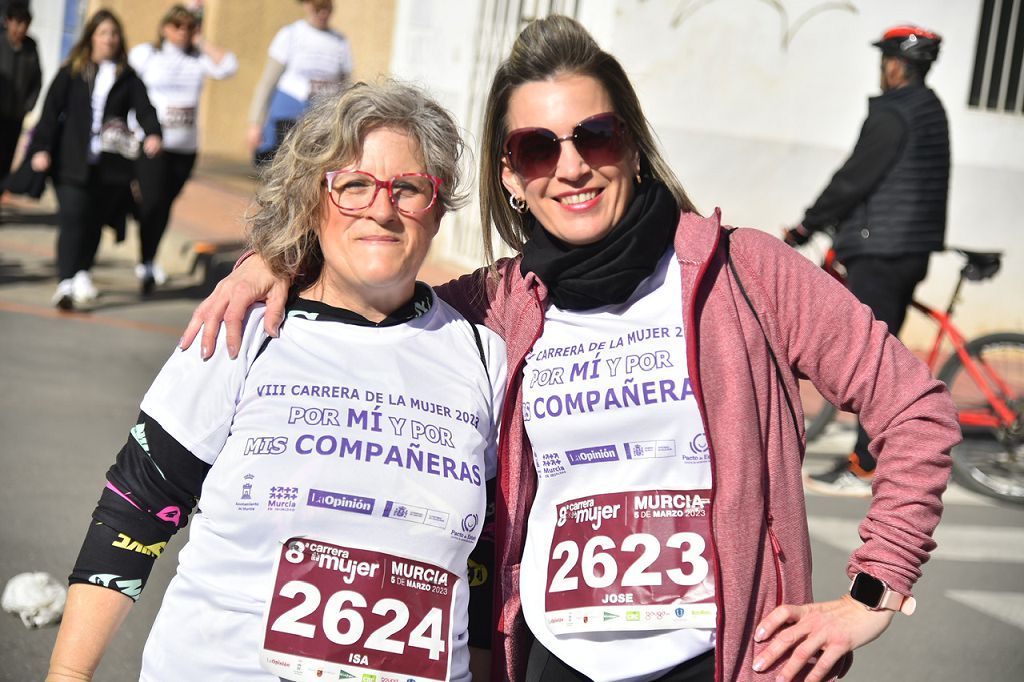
x=284, y=222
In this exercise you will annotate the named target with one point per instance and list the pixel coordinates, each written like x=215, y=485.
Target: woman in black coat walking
x=82, y=140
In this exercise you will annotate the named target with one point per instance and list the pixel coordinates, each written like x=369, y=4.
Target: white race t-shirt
x=314, y=61
x=617, y=578
x=174, y=82
x=369, y=438
x=106, y=76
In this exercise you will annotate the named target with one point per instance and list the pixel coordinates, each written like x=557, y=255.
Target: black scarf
x=608, y=271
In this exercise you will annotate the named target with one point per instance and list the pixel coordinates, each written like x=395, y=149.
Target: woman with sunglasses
x=174, y=69
x=342, y=493
x=650, y=521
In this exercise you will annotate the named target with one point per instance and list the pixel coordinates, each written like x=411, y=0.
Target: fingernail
x=181, y=342
x=205, y=353
x=759, y=635
x=758, y=665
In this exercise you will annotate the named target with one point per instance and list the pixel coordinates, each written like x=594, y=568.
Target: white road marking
x=1005, y=606
x=954, y=495
x=957, y=542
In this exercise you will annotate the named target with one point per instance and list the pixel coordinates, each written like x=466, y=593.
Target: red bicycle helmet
x=912, y=43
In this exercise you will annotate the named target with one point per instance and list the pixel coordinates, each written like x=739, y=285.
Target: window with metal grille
x=997, y=82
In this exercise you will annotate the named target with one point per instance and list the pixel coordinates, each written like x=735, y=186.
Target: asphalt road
x=70, y=387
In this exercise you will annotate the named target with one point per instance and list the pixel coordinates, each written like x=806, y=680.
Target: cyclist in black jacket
x=888, y=205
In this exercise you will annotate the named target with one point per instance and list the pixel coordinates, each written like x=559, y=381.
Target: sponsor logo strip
x=591, y=455
x=327, y=499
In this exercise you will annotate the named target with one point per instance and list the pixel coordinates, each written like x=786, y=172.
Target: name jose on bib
x=637, y=560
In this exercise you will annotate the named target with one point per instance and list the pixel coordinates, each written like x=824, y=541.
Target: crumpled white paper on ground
x=37, y=597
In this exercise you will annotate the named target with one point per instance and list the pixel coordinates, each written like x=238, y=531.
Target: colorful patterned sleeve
x=151, y=489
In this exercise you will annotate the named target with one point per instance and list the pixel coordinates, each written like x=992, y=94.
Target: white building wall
x=757, y=102
x=47, y=29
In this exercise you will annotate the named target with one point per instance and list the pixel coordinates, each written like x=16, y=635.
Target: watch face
x=867, y=590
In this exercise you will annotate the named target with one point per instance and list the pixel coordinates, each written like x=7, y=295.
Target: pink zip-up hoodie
x=817, y=330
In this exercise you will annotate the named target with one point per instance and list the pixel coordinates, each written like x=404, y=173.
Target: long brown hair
x=547, y=48
x=80, y=58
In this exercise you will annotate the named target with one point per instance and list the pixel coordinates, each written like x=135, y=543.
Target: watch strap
x=891, y=600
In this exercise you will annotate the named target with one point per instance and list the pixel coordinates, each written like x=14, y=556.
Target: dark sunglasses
x=533, y=152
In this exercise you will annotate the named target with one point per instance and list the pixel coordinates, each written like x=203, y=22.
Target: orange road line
x=89, y=318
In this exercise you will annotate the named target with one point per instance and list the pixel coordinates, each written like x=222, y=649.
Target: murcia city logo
x=282, y=498
x=247, y=487
x=245, y=501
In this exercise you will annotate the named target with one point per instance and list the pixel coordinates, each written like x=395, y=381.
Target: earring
x=639, y=180
x=518, y=205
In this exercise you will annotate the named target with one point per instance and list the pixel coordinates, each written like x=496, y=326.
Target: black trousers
x=10, y=132
x=160, y=181
x=544, y=666
x=81, y=213
x=886, y=285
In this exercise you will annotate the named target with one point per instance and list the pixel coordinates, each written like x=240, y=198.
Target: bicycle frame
x=983, y=376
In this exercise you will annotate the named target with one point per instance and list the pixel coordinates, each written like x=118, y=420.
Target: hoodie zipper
x=698, y=392
x=691, y=356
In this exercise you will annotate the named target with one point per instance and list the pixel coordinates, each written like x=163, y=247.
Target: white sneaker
x=63, y=298
x=844, y=483
x=159, y=276
x=150, y=275
x=82, y=288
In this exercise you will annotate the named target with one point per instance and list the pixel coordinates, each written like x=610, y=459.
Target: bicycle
x=985, y=377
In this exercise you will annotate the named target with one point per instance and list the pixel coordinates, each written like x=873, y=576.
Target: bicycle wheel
x=991, y=467
x=990, y=460
x=1003, y=353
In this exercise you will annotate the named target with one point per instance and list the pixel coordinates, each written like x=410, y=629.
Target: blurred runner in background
x=306, y=59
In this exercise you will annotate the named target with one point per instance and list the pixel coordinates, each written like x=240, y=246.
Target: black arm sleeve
x=481, y=578
x=144, y=110
x=151, y=489
x=880, y=143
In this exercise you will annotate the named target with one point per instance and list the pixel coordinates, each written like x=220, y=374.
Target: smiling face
x=106, y=41
x=371, y=256
x=576, y=202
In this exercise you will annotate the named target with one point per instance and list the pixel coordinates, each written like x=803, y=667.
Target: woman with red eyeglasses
x=650, y=520
x=342, y=493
